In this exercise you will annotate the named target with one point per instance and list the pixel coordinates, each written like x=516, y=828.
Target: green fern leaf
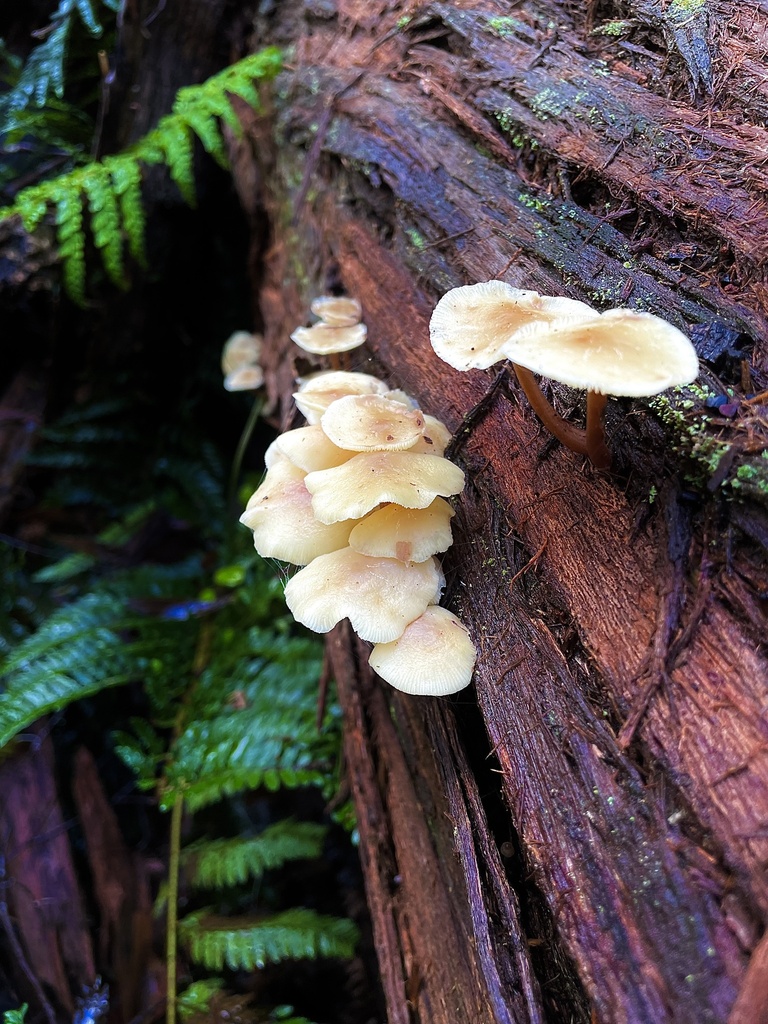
x=249, y=945
x=175, y=138
x=31, y=206
x=197, y=998
x=69, y=221
x=126, y=178
x=199, y=107
x=223, y=862
x=105, y=220
x=16, y=1016
x=85, y=10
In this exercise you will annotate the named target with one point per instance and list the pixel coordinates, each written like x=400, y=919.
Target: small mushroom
x=240, y=349
x=372, y=478
x=471, y=325
x=619, y=352
x=339, y=310
x=433, y=657
x=318, y=390
x=323, y=339
x=379, y=596
x=370, y=423
x=309, y=448
x=284, y=526
x=244, y=378
x=408, y=534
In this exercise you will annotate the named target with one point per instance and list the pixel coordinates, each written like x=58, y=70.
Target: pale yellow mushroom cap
x=620, y=352
x=323, y=339
x=372, y=478
x=434, y=439
x=433, y=657
x=409, y=534
x=309, y=448
x=284, y=526
x=471, y=325
x=371, y=423
x=240, y=349
x=317, y=391
x=340, y=310
x=379, y=596
x=244, y=378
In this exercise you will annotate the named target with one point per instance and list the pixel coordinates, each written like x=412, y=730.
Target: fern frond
x=16, y=1016
x=105, y=220
x=221, y=862
x=43, y=71
x=216, y=942
x=113, y=187
x=197, y=998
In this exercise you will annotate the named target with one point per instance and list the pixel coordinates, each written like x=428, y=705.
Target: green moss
x=505, y=27
x=526, y=199
x=612, y=28
x=418, y=241
x=690, y=8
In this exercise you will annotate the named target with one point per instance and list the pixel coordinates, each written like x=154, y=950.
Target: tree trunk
x=592, y=844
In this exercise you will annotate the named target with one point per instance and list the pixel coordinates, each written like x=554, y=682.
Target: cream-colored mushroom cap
x=317, y=391
x=340, y=310
x=379, y=596
x=322, y=339
x=309, y=448
x=433, y=657
x=244, y=378
x=434, y=439
x=470, y=325
x=372, y=478
x=240, y=349
x=371, y=423
x=284, y=526
x=409, y=534
x=620, y=352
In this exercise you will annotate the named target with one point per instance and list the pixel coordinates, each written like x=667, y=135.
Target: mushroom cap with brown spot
x=339, y=310
x=323, y=339
x=372, y=423
x=433, y=657
x=379, y=596
x=619, y=352
x=435, y=437
x=318, y=390
x=240, y=349
x=244, y=378
x=408, y=534
x=284, y=526
x=372, y=478
x=309, y=448
x=471, y=325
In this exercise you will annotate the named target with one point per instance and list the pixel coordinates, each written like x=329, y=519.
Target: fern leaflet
x=218, y=942
x=213, y=864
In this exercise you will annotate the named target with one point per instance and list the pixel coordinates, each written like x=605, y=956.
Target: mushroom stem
x=589, y=442
x=597, y=450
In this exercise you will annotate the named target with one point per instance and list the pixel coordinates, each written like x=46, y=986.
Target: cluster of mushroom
x=619, y=352
x=357, y=497
x=240, y=362
x=339, y=328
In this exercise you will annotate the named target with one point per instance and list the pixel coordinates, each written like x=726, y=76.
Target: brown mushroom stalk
x=589, y=441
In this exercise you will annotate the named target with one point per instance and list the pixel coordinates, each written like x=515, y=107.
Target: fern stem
x=237, y=461
x=174, y=862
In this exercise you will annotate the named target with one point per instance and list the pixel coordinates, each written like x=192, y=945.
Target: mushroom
x=372, y=478
x=284, y=526
x=408, y=534
x=379, y=596
x=244, y=378
x=240, y=349
x=619, y=352
x=339, y=310
x=366, y=423
x=435, y=437
x=309, y=448
x=434, y=656
x=322, y=339
x=318, y=390
x=470, y=325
